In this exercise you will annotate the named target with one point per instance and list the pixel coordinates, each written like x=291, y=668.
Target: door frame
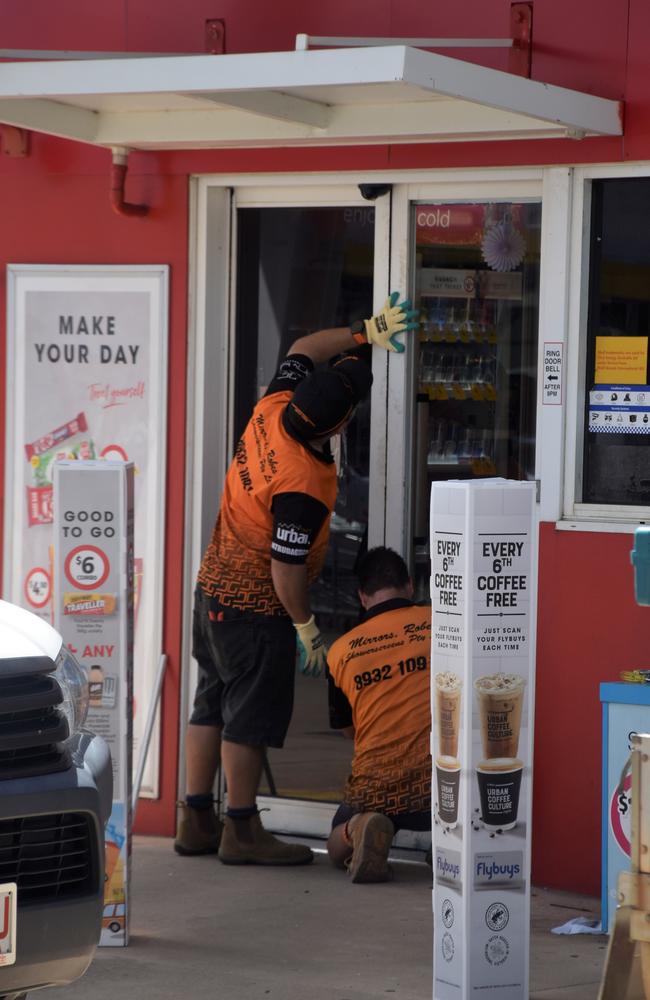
x=323, y=196
x=499, y=185
x=213, y=204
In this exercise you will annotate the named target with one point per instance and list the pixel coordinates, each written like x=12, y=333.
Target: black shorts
x=247, y=666
x=401, y=821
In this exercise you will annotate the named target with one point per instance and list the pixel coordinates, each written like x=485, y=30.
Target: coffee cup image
x=95, y=685
x=448, y=784
x=447, y=712
x=499, y=784
x=500, y=703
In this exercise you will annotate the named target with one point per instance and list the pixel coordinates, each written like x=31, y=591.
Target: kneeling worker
x=379, y=694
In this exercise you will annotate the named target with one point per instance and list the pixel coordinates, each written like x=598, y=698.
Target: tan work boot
x=199, y=831
x=371, y=835
x=246, y=842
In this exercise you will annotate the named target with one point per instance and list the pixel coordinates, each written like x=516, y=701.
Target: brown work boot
x=371, y=835
x=199, y=831
x=246, y=842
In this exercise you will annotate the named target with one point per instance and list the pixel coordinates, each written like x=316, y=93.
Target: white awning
x=389, y=94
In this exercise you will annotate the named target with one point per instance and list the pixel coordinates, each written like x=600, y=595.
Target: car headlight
x=74, y=687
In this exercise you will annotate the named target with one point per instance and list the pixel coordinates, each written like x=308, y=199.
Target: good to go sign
x=94, y=612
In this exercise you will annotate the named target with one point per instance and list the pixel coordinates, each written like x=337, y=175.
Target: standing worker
x=252, y=597
x=379, y=695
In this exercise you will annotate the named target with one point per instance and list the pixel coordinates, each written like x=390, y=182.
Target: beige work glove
x=394, y=318
x=312, y=654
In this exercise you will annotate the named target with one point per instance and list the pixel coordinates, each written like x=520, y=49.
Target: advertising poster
x=458, y=224
x=94, y=611
x=86, y=379
x=483, y=591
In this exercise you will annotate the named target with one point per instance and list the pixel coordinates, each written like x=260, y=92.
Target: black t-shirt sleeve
x=290, y=374
x=297, y=519
x=339, y=707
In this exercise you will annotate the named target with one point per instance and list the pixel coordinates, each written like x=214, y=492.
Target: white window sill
x=622, y=527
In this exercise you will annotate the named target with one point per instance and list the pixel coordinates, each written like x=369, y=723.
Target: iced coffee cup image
x=500, y=702
x=447, y=709
x=499, y=785
x=95, y=685
x=448, y=785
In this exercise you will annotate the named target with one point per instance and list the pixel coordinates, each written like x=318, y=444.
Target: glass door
x=475, y=280
x=300, y=269
x=461, y=403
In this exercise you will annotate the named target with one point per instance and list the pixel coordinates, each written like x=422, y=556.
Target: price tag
x=38, y=587
x=87, y=567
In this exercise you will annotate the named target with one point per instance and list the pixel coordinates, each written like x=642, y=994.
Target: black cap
x=355, y=368
x=327, y=397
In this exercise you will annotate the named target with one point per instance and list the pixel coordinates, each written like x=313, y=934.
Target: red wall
x=589, y=629
x=54, y=208
x=580, y=45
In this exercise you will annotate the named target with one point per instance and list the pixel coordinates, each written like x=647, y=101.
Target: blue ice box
x=640, y=558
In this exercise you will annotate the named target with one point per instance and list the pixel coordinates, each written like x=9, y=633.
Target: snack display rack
x=475, y=391
x=458, y=362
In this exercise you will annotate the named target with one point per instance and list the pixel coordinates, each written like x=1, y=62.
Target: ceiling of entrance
x=306, y=98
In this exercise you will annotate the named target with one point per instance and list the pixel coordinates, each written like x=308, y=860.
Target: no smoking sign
x=620, y=808
x=87, y=567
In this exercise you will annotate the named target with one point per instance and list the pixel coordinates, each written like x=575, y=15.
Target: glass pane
x=617, y=396
x=477, y=288
x=300, y=270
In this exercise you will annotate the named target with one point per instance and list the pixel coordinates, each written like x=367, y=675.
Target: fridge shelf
x=476, y=466
x=449, y=336
x=442, y=391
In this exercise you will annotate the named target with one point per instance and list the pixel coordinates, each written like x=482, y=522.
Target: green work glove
x=312, y=654
x=394, y=318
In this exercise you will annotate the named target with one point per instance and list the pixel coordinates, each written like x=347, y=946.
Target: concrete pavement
x=205, y=930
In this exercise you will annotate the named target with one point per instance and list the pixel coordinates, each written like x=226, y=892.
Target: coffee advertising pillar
x=484, y=596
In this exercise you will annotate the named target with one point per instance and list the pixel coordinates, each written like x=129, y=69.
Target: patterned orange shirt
x=268, y=463
x=382, y=669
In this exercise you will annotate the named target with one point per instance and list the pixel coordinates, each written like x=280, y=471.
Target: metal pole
x=303, y=42
x=34, y=55
x=146, y=739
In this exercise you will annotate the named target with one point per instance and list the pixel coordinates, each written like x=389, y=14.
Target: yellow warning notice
x=621, y=360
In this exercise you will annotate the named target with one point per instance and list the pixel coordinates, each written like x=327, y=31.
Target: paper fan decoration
x=503, y=247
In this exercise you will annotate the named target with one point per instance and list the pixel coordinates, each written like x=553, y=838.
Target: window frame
x=576, y=514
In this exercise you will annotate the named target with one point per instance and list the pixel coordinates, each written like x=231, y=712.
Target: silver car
x=56, y=789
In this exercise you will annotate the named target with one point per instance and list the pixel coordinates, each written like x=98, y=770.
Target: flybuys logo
x=447, y=866
x=505, y=868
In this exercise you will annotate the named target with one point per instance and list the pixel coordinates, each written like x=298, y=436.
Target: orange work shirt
x=382, y=669
x=236, y=567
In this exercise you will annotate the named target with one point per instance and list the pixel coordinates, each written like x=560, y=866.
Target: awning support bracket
x=520, y=43
x=520, y=57
x=14, y=141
